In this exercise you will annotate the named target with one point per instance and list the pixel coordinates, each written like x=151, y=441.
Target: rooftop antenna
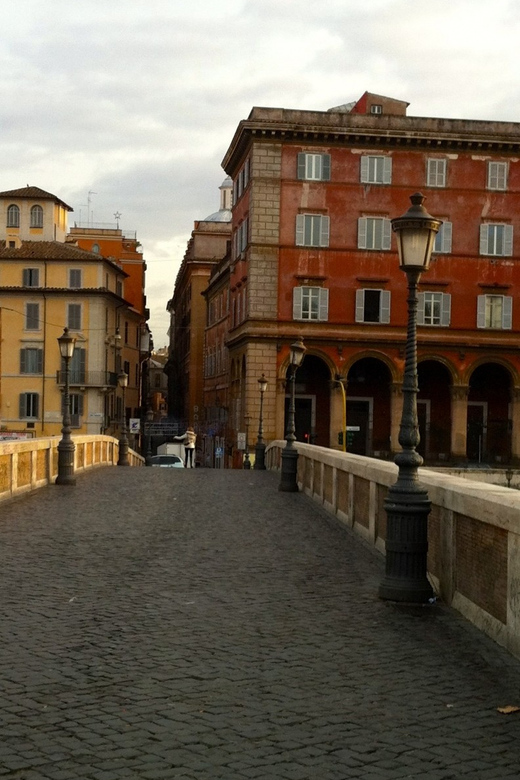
x=89, y=201
x=117, y=216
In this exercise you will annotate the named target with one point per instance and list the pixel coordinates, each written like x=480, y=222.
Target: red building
x=313, y=257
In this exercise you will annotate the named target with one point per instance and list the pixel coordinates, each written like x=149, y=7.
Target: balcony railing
x=88, y=378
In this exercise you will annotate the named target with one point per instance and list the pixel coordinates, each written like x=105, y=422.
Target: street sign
x=134, y=425
x=241, y=441
x=218, y=452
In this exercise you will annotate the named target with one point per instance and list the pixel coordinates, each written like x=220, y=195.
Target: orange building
x=313, y=257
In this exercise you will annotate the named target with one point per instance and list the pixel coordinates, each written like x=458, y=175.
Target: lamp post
x=260, y=444
x=66, y=446
x=288, y=481
x=407, y=504
x=122, y=380
x=247, y=462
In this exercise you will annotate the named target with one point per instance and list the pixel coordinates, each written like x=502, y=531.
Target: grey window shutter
x=325, y=167
x=22, y=361
x=362, y=233
x=39, y=363
x=80, y=404
x=26, y=277
x=384, y=305
x=300, y=230
x=36, y=405
x=302, y=157
x=297, y=303
x=446, y=236
x=481, y=311
x=23, y=405
x=324, y=231
x=387, y=234
x=360, y=305
x=483, y=242
x=507, y=312
x=420, y=308
x=508, y=240
x=364, y=169
x=323, y=314
x=446, y=309
x=387, y=170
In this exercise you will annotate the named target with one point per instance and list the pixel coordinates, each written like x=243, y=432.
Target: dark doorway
x=302, y=418
x=434, y=411
x=368, y=407
x=476, y=432
x=489, y=428
x=312, y=402
x=358, y=426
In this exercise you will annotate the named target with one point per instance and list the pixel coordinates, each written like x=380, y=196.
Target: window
x=314, y=166
x=119, y=288
x=13, y=216
x=31, y=360
x=374, y=233
x=496, y=239
x=497, y=175
x=76, y=366
x=74, y=316
x=376, y=108
x=36, y=217
x=31, y=277
x=95, y=248
x=126, y=368
x=32, y=316
x=127, y=331
x=436, y=172
x=443, y=239
x=76, y=409
x=434, y=308
x=373, y=306
x=495, y=311
x=312, y=230
x=29, y=405
x=75, y=278
x=241, y=237
x=310, y=303
x=376, y=170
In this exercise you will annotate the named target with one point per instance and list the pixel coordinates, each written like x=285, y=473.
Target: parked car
x=166, y=461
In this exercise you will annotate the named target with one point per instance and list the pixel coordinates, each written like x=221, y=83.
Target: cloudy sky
x=136, y=102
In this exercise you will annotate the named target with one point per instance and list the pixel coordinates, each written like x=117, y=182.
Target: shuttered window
x=434, y=308
x=375, y=170
x=374, y=233
x=313, y=167
x=29, y=405
x=32, y=316
x=496, y=239
x=13, y=216
x=436, y=172
x=373, y=306
x=75, y=278
x=36, y=217
x=443, y=239
x=495, y=311
x=497, y=175
x=311, y=303
x=31, y=360
x=312, y=230
x=77, y=366
x=74, y=316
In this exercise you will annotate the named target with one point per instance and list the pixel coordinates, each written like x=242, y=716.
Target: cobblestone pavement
x=166, y=624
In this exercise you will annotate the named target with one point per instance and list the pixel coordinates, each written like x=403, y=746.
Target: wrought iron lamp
x=247, y=462
x=122, y=380
x=260, y=444
x=66, y=446
x=289, y=471
x=407, y=504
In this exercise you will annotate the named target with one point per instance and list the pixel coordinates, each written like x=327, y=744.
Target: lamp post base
x=66, y=450
x=123, y=453
x=289, y=472
x=259, y=457
x=407, y=547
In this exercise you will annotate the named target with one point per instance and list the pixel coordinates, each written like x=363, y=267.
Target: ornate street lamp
x=122, y=381
x=260, y=444
x=66, y=446
x=407, y=504
x=289, y=481
x=247, y=462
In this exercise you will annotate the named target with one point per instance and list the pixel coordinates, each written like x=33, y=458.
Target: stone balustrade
x=473, y=531
x=33, y=463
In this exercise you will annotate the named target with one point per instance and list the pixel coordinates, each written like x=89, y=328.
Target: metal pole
x=247, y=462
x=260, y=444
x=66, y=447
x=289, y=481
x=407, y=504
x=123, y=441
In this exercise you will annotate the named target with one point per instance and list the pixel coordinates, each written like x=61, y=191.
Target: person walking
x=189, y=438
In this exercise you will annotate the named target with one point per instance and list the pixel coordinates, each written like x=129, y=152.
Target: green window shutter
x=302, y=157
x=446, y=309
x=481, y=311
x=420, y=308
x=360, y=305
x=385, y=307
x=362, y=233
x=507, y=312
x=39, y=358
x=300, y=230
x=23, y=361
x=297, y=303
x=23, y=405
x=36, y=405
x=325, y=169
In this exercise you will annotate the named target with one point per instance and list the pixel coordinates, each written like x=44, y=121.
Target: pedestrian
x=189, y=438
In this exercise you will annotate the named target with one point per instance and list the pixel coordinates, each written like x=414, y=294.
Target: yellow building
x=47, y=283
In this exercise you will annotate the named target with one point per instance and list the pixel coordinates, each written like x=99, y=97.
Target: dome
x=223, y=215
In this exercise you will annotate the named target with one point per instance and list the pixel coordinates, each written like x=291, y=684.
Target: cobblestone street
x=159, y=623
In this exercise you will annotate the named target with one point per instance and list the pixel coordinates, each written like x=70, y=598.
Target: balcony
x=88, y=378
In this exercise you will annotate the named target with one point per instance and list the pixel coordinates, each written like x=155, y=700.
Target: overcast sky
x=136, y=102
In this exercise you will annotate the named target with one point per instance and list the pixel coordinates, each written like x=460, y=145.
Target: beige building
x=47, y=283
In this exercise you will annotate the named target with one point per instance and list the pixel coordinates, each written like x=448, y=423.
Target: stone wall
x=28, y=465
x=473, y=530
